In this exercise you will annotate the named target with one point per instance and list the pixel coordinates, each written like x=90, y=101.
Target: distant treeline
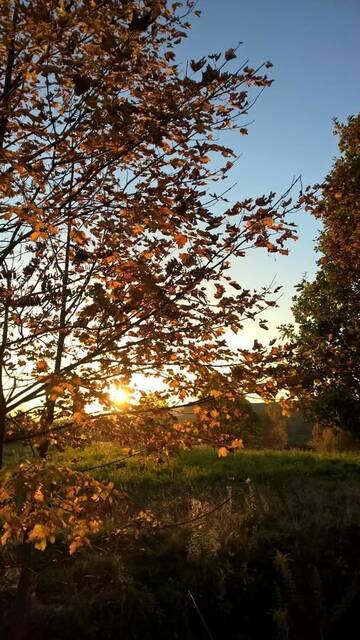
x=262, y=425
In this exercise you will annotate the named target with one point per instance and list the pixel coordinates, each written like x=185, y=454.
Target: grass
x=201, y=468
x=280, y=560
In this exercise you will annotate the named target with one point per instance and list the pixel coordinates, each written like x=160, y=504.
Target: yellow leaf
x=215, y=393
x=39, y=534
x=237, y=444
x=36, y=235
x=222, y=452
x=41, y=544
x=38, y=531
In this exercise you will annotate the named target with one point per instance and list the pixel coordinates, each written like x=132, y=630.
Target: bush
x=331, y=439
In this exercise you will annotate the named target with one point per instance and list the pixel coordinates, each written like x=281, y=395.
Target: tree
x=250, y=428
x=326, y=343
x=114, y=255
x=274, y=422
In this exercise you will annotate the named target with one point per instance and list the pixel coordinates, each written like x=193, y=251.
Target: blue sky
x=315, y=48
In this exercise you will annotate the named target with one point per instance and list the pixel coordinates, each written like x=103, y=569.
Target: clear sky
x=315, y=48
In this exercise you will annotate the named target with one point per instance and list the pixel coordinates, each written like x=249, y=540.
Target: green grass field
x=279, y=560
x=202, y=465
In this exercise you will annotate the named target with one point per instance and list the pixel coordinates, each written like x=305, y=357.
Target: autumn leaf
x=196, y=66
x=6, y=535
x=222, y=452
x=137, y=229
x=230, y=54
x=37, y=235
x=78, y=236
x=268, y=222
x=40, y=535
x=180, y=239
x=237, y=444
x=77, y=544
x=41, y=365
x=82, y=84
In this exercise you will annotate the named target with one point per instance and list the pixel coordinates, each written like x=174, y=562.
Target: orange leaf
x=41, y=365
x=180, y=239
x=237, y=444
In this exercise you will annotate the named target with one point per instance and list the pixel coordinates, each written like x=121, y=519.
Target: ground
x=260, y=544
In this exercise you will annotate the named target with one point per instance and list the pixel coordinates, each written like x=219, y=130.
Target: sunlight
x=119, y=395
x=147, y=384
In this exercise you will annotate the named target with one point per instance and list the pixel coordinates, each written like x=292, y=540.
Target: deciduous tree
x=115, y=250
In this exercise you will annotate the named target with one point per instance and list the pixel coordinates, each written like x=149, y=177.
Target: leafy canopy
x=116, y=239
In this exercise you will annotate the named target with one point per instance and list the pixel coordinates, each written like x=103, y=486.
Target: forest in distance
x=179, y=444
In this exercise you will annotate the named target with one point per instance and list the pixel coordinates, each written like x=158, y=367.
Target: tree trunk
x=22, y=599
x=2, y=428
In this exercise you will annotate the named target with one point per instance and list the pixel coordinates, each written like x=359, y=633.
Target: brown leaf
x=230, y=54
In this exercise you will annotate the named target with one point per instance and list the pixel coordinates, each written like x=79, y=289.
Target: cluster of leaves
x=326, y=345
x=114, y=257
x=37, y=501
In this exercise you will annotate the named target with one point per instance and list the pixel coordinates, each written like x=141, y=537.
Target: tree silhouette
x=327, y=311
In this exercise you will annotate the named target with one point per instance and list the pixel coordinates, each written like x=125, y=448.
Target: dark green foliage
x=326, y=343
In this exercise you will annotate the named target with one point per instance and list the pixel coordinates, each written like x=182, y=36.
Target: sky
x=314, y=46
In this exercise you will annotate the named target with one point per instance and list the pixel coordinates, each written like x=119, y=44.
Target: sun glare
x=119, y=395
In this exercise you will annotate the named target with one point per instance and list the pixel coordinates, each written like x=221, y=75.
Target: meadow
x=259, y=544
